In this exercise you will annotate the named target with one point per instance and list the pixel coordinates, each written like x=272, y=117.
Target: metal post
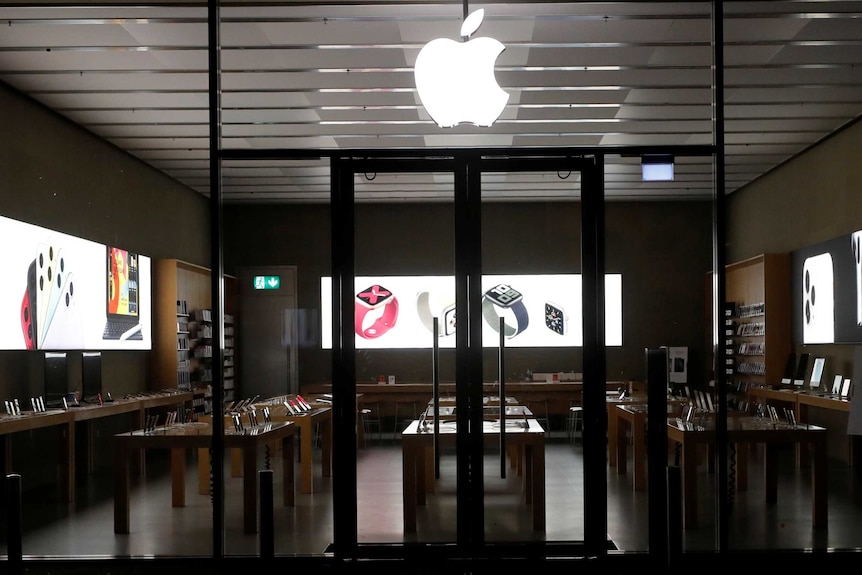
x=674, y=516
x=14, y=534
x=501, y=369
x=267, y=522
x=435, y=378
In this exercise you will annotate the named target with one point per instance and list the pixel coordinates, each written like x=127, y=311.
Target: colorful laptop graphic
x=123, y=303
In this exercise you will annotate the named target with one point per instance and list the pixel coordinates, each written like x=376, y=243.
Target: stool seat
x=575, y=422
x=369, y=418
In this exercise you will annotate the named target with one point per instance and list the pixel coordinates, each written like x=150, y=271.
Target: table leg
x=66, y=468
x=89, y=447
x=288, y=473
x=537, y=472
x=306, y=455
x=612, y=438
x=622, y=428
x=326, y=445
x=819, y=499
x=140, y=462
x=236, y=462
x=249, y=488
x=639, y=453
x=6, y=454
x=689, y=484
x=121, y=489
x=513, y=454
x=427, y=480
x=178, y=477
x=770, y=472
x=801, y=447
x=203, y=471
x=409, y=487
x=742, y=454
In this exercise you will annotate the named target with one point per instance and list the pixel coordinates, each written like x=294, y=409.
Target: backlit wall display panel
x=538, y=311
x=61, y=292
x=827, y=291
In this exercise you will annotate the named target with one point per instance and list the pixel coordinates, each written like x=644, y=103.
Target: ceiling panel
x=339, y=76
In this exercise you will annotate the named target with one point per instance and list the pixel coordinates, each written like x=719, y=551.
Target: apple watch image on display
x=385, y=305
x=502, y=297
x=445, y=314
x=555, y=318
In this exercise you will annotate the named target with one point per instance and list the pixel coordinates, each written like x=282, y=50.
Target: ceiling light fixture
x=657, y=168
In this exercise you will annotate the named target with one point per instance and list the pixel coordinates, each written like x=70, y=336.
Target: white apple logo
x=455, y=80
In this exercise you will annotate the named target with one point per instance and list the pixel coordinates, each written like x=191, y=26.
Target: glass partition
x=405, y=320
x=281, y=371
x=532, y=338
x=664, y=252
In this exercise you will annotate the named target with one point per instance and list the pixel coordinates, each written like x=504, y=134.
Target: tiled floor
x=86, y=528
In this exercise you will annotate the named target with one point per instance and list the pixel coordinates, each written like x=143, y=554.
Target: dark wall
x=57, y=175
x=812, y=199
x=663, y=250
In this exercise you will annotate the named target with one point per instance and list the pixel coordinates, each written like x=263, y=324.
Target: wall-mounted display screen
x=540, y=310
x=61, y=292
x=122, y=298
x=827, y=291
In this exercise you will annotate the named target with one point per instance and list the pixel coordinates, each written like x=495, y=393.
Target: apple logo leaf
x=472, y=23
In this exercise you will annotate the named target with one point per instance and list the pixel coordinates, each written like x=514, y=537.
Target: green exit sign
x=267, y=282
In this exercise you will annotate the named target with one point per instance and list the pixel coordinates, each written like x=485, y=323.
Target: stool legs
x=575, y=423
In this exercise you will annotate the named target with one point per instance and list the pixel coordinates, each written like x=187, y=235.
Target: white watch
x=428, y=307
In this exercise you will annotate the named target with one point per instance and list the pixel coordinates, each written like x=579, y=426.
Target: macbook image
x=122, y=302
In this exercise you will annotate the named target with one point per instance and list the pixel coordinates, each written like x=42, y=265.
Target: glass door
x=465, y=424
x=398, y=304
x=532, y=353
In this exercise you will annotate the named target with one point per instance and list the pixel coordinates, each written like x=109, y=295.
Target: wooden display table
x=614, y=434
x=631, y=418
x=65, y=420
x=489, y=412
x=558, y=396
x=527, y=450
x=305, y=424
x=801, y=401
x=744, y=431
x=178, y=439
x=28, y=421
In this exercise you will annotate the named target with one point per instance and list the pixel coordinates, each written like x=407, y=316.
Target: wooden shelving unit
x=184, y=379
x=760, y=289
x=183, y=303
x=229, y=355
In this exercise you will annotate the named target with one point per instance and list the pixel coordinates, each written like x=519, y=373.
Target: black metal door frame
x=467, y=167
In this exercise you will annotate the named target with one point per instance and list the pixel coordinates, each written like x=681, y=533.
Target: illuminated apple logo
x=455, y=80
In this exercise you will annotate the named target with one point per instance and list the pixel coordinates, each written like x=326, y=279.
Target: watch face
x=554, y=318
x=374, y=296
x=503, y=295
x=449, y=320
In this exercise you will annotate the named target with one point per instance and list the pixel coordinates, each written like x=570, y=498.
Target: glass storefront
x=362, y=417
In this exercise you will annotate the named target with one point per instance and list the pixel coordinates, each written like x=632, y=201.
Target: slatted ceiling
x=137, y=75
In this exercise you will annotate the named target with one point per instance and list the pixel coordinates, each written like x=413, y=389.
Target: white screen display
x=541, y=310
x=55, y=290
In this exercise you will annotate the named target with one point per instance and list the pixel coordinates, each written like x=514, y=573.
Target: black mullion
x=595, y=376
x=476, y=382
x=216, y=273
x=719, y=232
x=344, y=478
